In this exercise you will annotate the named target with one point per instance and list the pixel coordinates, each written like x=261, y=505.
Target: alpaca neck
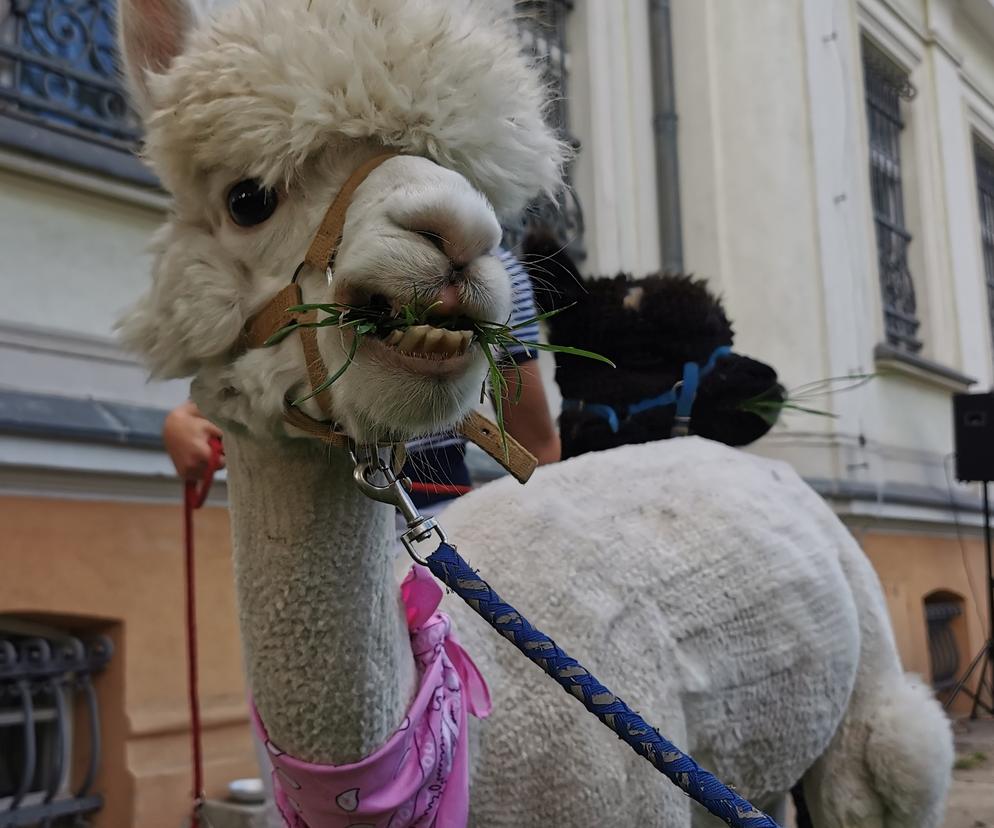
x=326, y=643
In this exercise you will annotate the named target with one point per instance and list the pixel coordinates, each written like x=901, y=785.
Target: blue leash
x=446, y=565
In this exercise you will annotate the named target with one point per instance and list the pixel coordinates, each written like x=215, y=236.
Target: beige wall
x=72, y=259
x=911, y=567
x=118, y=567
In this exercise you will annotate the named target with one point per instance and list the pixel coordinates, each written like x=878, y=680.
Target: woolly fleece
x=717, y=593
x=264, y=86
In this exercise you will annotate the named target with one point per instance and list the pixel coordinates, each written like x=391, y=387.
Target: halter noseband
x=276, y=315
x=682, y=395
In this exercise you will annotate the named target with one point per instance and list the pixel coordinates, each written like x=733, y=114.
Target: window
x=542, y=25
x=58, y=65
x=985, y=186
x=60, y=88
x=886, y=86
x=943, y=614
x=44, y=674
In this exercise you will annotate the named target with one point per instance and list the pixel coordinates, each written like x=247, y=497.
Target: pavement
x=971, y=800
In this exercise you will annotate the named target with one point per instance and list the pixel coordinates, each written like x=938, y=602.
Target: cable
x=959, y=536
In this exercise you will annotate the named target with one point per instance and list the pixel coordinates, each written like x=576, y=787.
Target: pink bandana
x=420, y=777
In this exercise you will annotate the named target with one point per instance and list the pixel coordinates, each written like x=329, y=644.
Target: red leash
x=194, y=495
x=440, y=488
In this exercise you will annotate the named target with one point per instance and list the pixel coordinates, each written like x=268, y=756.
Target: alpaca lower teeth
x=429, y=342
x=413, y=338
x=436, y=341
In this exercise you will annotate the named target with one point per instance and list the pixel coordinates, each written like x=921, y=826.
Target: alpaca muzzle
x=283, y=311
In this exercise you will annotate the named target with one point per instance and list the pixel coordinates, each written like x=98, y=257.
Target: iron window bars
x=886, y=86
x=542, y=27
x=58, y=69
x=942, y=650
x=985, y=187
x=41, y=680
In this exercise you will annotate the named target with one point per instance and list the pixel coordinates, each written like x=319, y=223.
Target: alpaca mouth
x=429, y=342
x=425, y=332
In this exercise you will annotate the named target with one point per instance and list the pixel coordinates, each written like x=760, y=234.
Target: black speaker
x=973, y=432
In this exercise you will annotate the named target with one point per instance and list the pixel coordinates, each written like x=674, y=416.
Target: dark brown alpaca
x=650, y=328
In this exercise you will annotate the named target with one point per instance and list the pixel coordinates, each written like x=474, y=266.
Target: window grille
x=58, y=69
x=886, y=87
x=542, y=27
x=42, y=680
x=985, y=185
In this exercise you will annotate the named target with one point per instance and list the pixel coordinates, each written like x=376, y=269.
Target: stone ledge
x=919, y=368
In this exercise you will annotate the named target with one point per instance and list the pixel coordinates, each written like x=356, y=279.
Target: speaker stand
x=984, y=660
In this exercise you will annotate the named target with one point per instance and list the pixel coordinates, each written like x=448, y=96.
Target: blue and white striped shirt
x=522, y=309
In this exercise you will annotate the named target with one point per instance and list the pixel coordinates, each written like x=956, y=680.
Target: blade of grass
x=280, y=335
x=565, y=349
x=517, y=374
x=499, y=389
x=332, y=379
x=541, y=317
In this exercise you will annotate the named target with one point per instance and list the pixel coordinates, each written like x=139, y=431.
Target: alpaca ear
x=150, y=33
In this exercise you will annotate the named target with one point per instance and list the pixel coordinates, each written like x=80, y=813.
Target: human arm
x=186, y=434
x=529, y=421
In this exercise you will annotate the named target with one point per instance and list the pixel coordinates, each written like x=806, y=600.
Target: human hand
x=187, y=435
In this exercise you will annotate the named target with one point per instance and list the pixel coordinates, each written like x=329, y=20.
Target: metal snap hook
x=370, y=463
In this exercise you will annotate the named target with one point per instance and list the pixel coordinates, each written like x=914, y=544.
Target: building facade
x=93, y=711
x=834, y=184
x=828, y=165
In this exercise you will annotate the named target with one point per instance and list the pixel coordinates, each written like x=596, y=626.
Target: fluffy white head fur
x=295, y=96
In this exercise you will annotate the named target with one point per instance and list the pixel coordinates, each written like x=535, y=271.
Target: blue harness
x=682, y=394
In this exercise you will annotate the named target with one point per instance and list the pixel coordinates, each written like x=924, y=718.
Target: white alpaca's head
x=256, y=115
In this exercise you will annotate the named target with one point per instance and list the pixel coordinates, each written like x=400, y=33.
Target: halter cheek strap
x=276, y=315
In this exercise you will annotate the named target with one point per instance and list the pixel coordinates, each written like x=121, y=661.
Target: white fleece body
x=719, y=596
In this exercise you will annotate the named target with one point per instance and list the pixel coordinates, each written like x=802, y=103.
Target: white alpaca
x=712, y=590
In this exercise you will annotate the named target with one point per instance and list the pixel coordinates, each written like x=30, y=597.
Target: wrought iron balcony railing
x=58, y=63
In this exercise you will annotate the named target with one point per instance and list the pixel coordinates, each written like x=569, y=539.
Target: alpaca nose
x=443, y=208
x=448, y=301
x=457, y=245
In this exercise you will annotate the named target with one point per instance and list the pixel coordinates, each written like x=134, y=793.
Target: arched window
x=944, y=617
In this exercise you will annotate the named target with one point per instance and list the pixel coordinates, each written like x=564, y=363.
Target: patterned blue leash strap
x=446, y=565
x=374, y=475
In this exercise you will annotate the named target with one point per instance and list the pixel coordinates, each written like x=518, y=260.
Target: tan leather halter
x=275, y=315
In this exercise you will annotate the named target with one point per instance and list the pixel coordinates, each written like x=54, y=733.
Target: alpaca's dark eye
x=250, y=204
